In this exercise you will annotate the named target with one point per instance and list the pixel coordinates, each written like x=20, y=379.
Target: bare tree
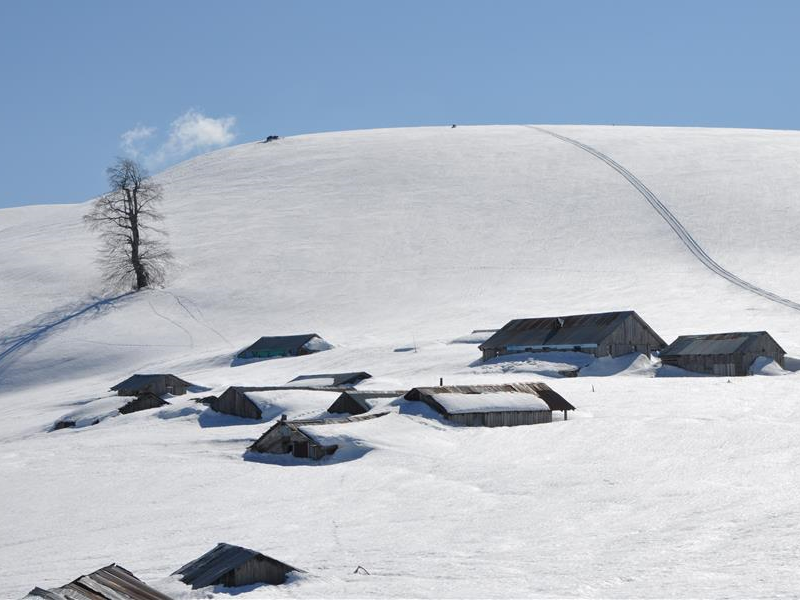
x=134, y=252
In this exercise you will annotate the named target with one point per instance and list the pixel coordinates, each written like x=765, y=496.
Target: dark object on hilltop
x=291, y=437
x=722, y=354
x=501, y=405
x=453, y=126
x=158, y=384
x=356, y=402
x=331, y=379
x=271, y=138
x=234, y=566
x=600, y=334
x=144, y=401
x=134, y=252
x=284, y=345
x=109, y=583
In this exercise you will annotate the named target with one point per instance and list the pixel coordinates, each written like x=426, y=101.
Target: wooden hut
x=722, y=354
x=291, y=437
x=284, y=345
x=144, y=401
x=233, y=566
x=158, y=384
x=501, y=405
x=234, y=401
x=109, y=583
x=329, y=379
x=356, y=402
x=600, y=334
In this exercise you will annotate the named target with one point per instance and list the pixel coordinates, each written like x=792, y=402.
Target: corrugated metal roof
x=712, y=343
x=571, y=330
x=139, y=380
x=280, y=343
x=553, y=399
x=338, y=378
x=214, y=564
x=109, y=583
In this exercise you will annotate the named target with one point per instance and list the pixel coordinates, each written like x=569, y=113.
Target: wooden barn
x=722, y=354
x=356, y=402
x=329, y=379
x=501, y=405
x=600, y=334
x=234, y=401
x=109, y=583
x=290, y=437
x=233, y=566
x=158, y=384
x=284, y=345
x=144, y=401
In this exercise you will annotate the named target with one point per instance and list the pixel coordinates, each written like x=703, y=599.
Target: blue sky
x=82, y=82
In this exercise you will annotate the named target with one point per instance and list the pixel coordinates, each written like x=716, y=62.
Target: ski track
x=175, y=323
x=684, y=235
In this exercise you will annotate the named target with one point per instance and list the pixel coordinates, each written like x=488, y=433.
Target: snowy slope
x=387, y=239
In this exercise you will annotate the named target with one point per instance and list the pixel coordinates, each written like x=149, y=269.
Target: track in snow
x=673, y=222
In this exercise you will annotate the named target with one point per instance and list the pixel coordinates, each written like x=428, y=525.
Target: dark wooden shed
x=143, y=401
x=234, y=401
x=330, y=379
x=233, y=566
x=158, y=384
x=356, y=402
x=289, y=437
x=501, y=405
x=109, y=583
x=284, y=345
x=600, y=334
x=722, y=354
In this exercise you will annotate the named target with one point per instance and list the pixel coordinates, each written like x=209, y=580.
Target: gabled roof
x=714, y=343
x=215, y=563
x=280, y=342
x=109, y=583
x=361, y=397
x=332, y=379
x=140, y=380
x=298, y=424
x=540, y=390
x=572, y=330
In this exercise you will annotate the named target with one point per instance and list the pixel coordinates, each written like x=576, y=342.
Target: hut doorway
x=300, y=449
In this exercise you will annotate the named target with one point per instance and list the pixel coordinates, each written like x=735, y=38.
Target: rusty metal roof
x=109, y=583
x=571, y=330
x=713, y=343
x=214, y=564
x=553, y=399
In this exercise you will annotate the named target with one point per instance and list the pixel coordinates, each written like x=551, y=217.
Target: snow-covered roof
x=489, y=402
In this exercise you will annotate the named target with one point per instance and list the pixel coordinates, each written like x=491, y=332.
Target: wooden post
x=441, y=381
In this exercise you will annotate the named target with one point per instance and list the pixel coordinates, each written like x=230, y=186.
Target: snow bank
x=766, y=366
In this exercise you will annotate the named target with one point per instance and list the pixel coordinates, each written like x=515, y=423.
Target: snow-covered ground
x=407, y=239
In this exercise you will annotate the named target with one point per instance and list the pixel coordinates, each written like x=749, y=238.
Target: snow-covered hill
x=387, y=239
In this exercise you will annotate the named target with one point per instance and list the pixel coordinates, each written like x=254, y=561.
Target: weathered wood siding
x=502, y=419
x=234, y=401
x=256, y=570
x=630, y=336
x=345, y=404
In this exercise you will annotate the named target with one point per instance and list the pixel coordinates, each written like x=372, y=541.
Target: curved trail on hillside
x=673, y=222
